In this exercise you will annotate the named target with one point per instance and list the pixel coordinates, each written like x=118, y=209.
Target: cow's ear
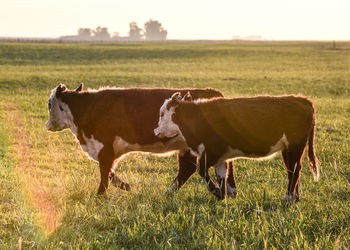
x=80, y=87
x=187, y=97
x=61, y=87
x=176, y=97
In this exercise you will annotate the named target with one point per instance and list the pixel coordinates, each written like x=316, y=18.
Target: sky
x=183, y=19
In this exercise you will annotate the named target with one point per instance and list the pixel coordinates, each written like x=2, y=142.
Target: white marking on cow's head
x=166, y=126
x=60, y=115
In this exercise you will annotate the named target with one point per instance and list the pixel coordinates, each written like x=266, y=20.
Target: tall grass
x=191, y=218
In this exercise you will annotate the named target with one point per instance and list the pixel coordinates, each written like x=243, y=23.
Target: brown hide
x=252, y=125
x=130, y=113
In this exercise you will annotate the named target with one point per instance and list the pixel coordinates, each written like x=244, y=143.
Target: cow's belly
x=92, y=147
x=120, y=146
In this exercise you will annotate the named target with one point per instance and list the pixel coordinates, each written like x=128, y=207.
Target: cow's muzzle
x=51, y=127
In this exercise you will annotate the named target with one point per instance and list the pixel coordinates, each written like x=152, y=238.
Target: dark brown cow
x=114, y=121
x=220, y=129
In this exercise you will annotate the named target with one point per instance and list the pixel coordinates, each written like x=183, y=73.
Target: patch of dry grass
x=34, y=189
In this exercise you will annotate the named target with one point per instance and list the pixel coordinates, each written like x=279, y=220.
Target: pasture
x=48, y=186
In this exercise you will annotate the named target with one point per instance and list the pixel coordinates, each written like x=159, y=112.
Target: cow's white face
x=166, y=126
x=60, y=116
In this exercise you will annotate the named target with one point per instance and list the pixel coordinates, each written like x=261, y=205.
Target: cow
x=112, y=122
x=220, y=130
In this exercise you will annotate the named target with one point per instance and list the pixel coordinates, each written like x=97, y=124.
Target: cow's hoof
x=101, y=193
x=171, y=191
x=218, y=194
x=291, y=199
x=232, y=195
x=231, y=192
x=120, y=184
x=125, y=186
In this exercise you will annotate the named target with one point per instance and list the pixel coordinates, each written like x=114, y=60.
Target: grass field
x=48, y=186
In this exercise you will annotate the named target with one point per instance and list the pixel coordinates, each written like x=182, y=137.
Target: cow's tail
x=313, y=161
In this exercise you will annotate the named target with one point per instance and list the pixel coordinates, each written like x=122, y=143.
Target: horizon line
x=62, y=39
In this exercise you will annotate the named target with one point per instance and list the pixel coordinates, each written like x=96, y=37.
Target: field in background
x=48, y=186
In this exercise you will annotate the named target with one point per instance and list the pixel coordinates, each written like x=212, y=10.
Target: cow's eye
x=49, y=105
x=61, y=108
x=161, y=114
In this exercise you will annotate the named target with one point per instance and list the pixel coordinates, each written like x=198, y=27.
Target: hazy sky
x=184, y=19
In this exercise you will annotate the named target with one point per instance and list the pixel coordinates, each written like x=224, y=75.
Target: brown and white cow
x=219, y=130
x=114, y=121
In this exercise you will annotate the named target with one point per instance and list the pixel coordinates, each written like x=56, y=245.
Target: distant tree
x=116, y=35
x=154, y=31
x=101, y=33
x=84, y=33
x=135, y=33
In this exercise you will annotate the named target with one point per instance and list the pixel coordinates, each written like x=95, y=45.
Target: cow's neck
x=78, y=108
x=185, y=117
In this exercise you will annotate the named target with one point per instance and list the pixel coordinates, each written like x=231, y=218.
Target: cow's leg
x=293, y=160
x=117, y=182
x=225, y=175
x=187, y=167
x=221, y=175
x=231, y=187
x=293, y=186
x=204, y=164
x=106, y=158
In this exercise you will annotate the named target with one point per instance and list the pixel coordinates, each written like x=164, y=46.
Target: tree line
x=152, y=31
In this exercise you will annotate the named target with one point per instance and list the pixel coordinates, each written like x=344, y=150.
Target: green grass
x=192, y=218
